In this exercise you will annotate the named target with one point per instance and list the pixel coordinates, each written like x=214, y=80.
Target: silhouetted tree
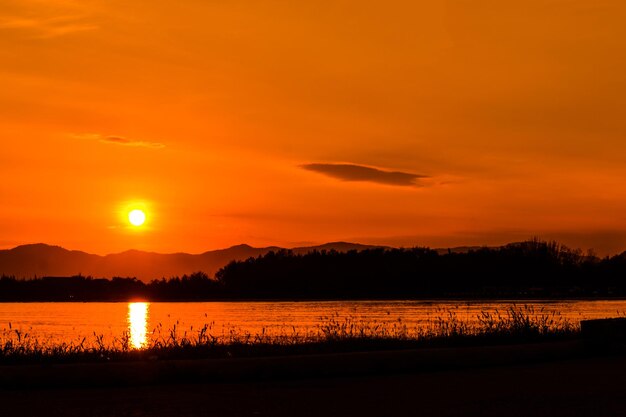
x=528, y=269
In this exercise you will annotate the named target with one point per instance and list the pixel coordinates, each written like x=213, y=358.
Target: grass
x=332, y=334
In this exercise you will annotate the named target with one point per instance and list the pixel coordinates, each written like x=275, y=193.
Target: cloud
x=47, y=28
x=119, y=140
x=128, y=142
x=353, y=172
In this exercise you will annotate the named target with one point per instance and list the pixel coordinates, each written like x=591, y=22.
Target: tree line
x=531, y=269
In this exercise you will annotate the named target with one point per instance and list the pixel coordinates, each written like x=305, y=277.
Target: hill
x=28, y=261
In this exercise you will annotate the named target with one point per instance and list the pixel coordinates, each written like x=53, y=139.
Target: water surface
x=70, y=322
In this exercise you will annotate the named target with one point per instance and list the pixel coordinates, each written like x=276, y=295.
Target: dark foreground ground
x=574, y=386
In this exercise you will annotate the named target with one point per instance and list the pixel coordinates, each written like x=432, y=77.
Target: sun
x=136, y=217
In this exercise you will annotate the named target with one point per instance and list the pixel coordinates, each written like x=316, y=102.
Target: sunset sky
x=439, y=123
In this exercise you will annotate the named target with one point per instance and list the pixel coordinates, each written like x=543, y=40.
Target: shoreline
x=330, y=300
x=329, y=365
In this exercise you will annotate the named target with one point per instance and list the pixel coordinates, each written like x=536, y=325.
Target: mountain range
x=28, y=261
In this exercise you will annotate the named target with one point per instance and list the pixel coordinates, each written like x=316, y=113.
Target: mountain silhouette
x=28, y=261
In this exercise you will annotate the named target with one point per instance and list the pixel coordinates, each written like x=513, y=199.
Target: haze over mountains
x=28, y=261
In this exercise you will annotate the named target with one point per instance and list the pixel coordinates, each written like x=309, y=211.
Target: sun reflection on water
x=138, y=324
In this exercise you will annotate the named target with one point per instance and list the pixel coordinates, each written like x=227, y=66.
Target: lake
x=70, y=322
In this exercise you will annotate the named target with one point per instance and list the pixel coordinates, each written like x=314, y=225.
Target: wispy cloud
x=47, y=27
x=353, y=172
x=119, y=140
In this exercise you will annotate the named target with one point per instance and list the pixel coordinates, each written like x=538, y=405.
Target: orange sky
x=224, y=120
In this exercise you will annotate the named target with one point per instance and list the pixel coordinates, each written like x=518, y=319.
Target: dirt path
x=581, y=387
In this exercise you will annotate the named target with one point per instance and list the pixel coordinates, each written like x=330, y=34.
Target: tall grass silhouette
x=332, y=333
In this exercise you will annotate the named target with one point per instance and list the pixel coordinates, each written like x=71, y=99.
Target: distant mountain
x=40, y=260
x=462, y=249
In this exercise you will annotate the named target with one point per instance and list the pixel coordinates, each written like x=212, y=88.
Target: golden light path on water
x=138, y=324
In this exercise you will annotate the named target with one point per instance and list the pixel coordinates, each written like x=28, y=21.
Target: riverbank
x=548, y=379
x=237, y=369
